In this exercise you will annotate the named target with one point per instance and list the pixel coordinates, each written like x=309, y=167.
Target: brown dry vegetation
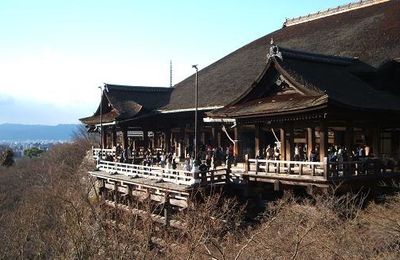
x=48, y=210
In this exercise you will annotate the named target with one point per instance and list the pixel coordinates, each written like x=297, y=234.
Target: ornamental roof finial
x=274, y=51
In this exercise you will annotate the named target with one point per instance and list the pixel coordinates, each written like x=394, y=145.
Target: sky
x=54, y=54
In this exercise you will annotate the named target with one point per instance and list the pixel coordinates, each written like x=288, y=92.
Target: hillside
x=49, y=210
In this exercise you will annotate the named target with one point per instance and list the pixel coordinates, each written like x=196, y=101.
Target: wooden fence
x=326, y=170
x=150, y=172
x=97, y=151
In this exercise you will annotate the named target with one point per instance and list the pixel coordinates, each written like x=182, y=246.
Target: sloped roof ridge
x=138, y=88
x=331, y=11
x=316, y=57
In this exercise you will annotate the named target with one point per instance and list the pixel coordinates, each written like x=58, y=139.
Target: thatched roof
x=371, y=33
x=312, y=81
x=122, y=102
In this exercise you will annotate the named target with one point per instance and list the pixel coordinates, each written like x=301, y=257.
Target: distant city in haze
x=11, y=133
x=20, y=137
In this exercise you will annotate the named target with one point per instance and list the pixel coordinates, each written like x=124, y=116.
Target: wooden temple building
x=326, y=82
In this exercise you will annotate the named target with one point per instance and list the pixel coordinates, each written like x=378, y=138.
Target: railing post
x=300, y=169
x=278, y=167
x=326, y=168
x=203, y=177
x=227, y=171
x=246, y=163
x=257, y=166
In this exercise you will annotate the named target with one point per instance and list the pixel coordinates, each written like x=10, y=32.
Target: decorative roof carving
x=274, y=51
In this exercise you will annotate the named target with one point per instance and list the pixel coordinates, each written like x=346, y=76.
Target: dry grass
x=47, y=211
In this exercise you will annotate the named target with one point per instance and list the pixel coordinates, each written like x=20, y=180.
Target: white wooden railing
x=149, y=172
x=326, y=170
x=365, y=167
x=286, y=167
x=97, y=151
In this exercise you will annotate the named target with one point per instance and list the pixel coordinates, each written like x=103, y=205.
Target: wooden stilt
x=283, y=143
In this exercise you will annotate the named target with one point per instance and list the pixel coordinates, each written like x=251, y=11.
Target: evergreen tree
x=7, y=158
x=33, y=152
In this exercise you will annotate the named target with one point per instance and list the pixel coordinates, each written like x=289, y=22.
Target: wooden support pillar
x=181, y=143
x=125, y=142
x=167, y=209
x=395, y=140
x=283, y=143
x=349, y=138
x=134, y=144
x=237, y=151
x=203, y=138
x=187, y=143
x=146, y=139
x=310, y=141
x=323, y=141
x=114, y=137
x=290, y=144
x=219, y=143
x=174, y=139
x=376, y=141
x=167, y=140
x=103, y=189
x=259, y=140
x=277, y=186
x=129, y=195
x=214, y=141
x=104, y=140
x=116, y=193
x=152, y=141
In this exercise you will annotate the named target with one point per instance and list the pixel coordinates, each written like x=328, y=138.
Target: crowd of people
x=335, y=153
x=207, y=157
x=212, y=157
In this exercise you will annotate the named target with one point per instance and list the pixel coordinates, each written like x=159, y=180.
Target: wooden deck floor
x=145, y=182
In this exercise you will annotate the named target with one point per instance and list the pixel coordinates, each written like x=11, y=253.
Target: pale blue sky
x=54, y=54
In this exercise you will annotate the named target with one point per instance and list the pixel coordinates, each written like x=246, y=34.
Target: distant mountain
x=20, y=132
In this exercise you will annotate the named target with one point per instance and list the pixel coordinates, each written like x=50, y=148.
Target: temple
x=315, y=103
